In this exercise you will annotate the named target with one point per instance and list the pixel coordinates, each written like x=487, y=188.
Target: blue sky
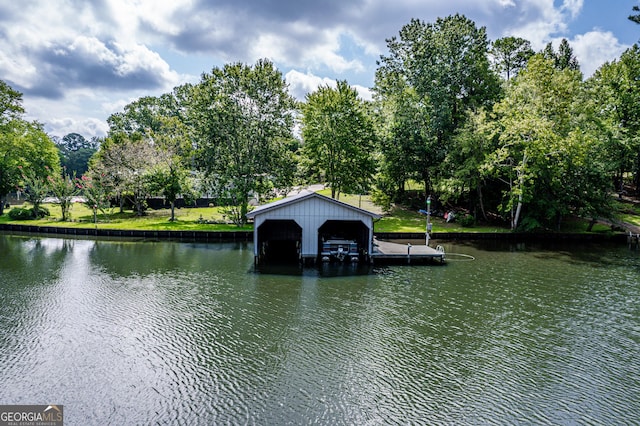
x=77, y=62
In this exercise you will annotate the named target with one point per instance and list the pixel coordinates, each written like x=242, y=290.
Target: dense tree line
x=27, y=154
x=491, y=127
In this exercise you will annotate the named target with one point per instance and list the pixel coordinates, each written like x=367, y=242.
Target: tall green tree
x=563, y=58
x=510, y=55
x=10, y=104
x=614, y=89
x=339, y=138
x=447, y=64
x=244, y=117
x=471, y=146
x=143, y=116
x=404, y=136
x=25, y=149
x=10, y=110
x=548, y=152
x=75, y=153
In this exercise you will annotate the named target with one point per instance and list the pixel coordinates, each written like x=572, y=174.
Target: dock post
x=428, y=227
x=409, y=253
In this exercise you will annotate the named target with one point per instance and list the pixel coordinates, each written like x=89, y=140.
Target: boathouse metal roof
x=304, y=195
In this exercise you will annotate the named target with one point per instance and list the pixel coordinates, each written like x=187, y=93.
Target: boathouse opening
x=279, y=241
x=353, y=230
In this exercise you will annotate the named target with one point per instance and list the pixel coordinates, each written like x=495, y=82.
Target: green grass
x=187, y=219
x=629, y=213
x=360, y=201
x=403, y=220
x=634, y=219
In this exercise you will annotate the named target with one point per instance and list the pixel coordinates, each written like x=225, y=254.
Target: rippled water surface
x=145, y=333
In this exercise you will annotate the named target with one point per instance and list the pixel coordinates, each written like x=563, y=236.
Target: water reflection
x=125, y=333
x=321, y=269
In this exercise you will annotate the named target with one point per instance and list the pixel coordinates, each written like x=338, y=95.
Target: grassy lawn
x=630, y=213
x=631, y=218
x=403, y=220
x=187, y=219
x=360, y=201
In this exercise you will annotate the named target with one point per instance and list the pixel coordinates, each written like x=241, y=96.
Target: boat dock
x=390, y=252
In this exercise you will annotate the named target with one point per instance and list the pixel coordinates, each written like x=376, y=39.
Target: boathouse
x=295, y=227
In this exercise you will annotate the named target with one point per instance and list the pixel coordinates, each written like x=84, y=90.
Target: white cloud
x=533, y=20
x=300, y=84
x=574, y=7
x=595, y=48
x=82, y=125
x=364, y=92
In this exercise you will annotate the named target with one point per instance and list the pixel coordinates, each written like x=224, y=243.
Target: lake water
x=182, y=333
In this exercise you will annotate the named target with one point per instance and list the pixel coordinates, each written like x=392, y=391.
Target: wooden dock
x=390, y=252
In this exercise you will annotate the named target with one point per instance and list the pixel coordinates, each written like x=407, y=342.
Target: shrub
x=23, y=213
x=467, y=221
x=19, y=213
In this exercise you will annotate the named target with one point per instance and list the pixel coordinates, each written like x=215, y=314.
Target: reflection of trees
x=144, y=258
x=29, y=259
x=30, y=269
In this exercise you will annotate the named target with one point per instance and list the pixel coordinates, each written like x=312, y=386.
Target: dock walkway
x=387, y=251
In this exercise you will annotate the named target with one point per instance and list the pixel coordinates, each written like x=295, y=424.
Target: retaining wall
x=248, y=235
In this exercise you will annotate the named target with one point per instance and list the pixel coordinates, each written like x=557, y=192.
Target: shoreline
x=229, y=236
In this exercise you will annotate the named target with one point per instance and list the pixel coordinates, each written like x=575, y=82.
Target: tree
x=635, y=17
x=10, y=104
x=471, y=146
x=510, y=55
x=12, y=138
x=614, y=90
x=548, y=152
x=64, y=189
x=339, y=138
x=95, y=193
x=123, y=164
x=169, y=176
x=24, y=145
x=75, y=153
x=563, y=58
x=35, y=189
x=404, y=134
x=144, y=116
x=244, y=117
x=447, y=64
x=25, y=149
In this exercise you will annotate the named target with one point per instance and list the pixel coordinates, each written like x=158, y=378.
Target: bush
x=467, y=221
x=23, y=213
x=19, y=213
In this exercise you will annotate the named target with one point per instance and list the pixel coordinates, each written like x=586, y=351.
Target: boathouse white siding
x=310, y=211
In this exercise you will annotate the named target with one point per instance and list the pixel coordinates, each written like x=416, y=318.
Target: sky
x=79, y=61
